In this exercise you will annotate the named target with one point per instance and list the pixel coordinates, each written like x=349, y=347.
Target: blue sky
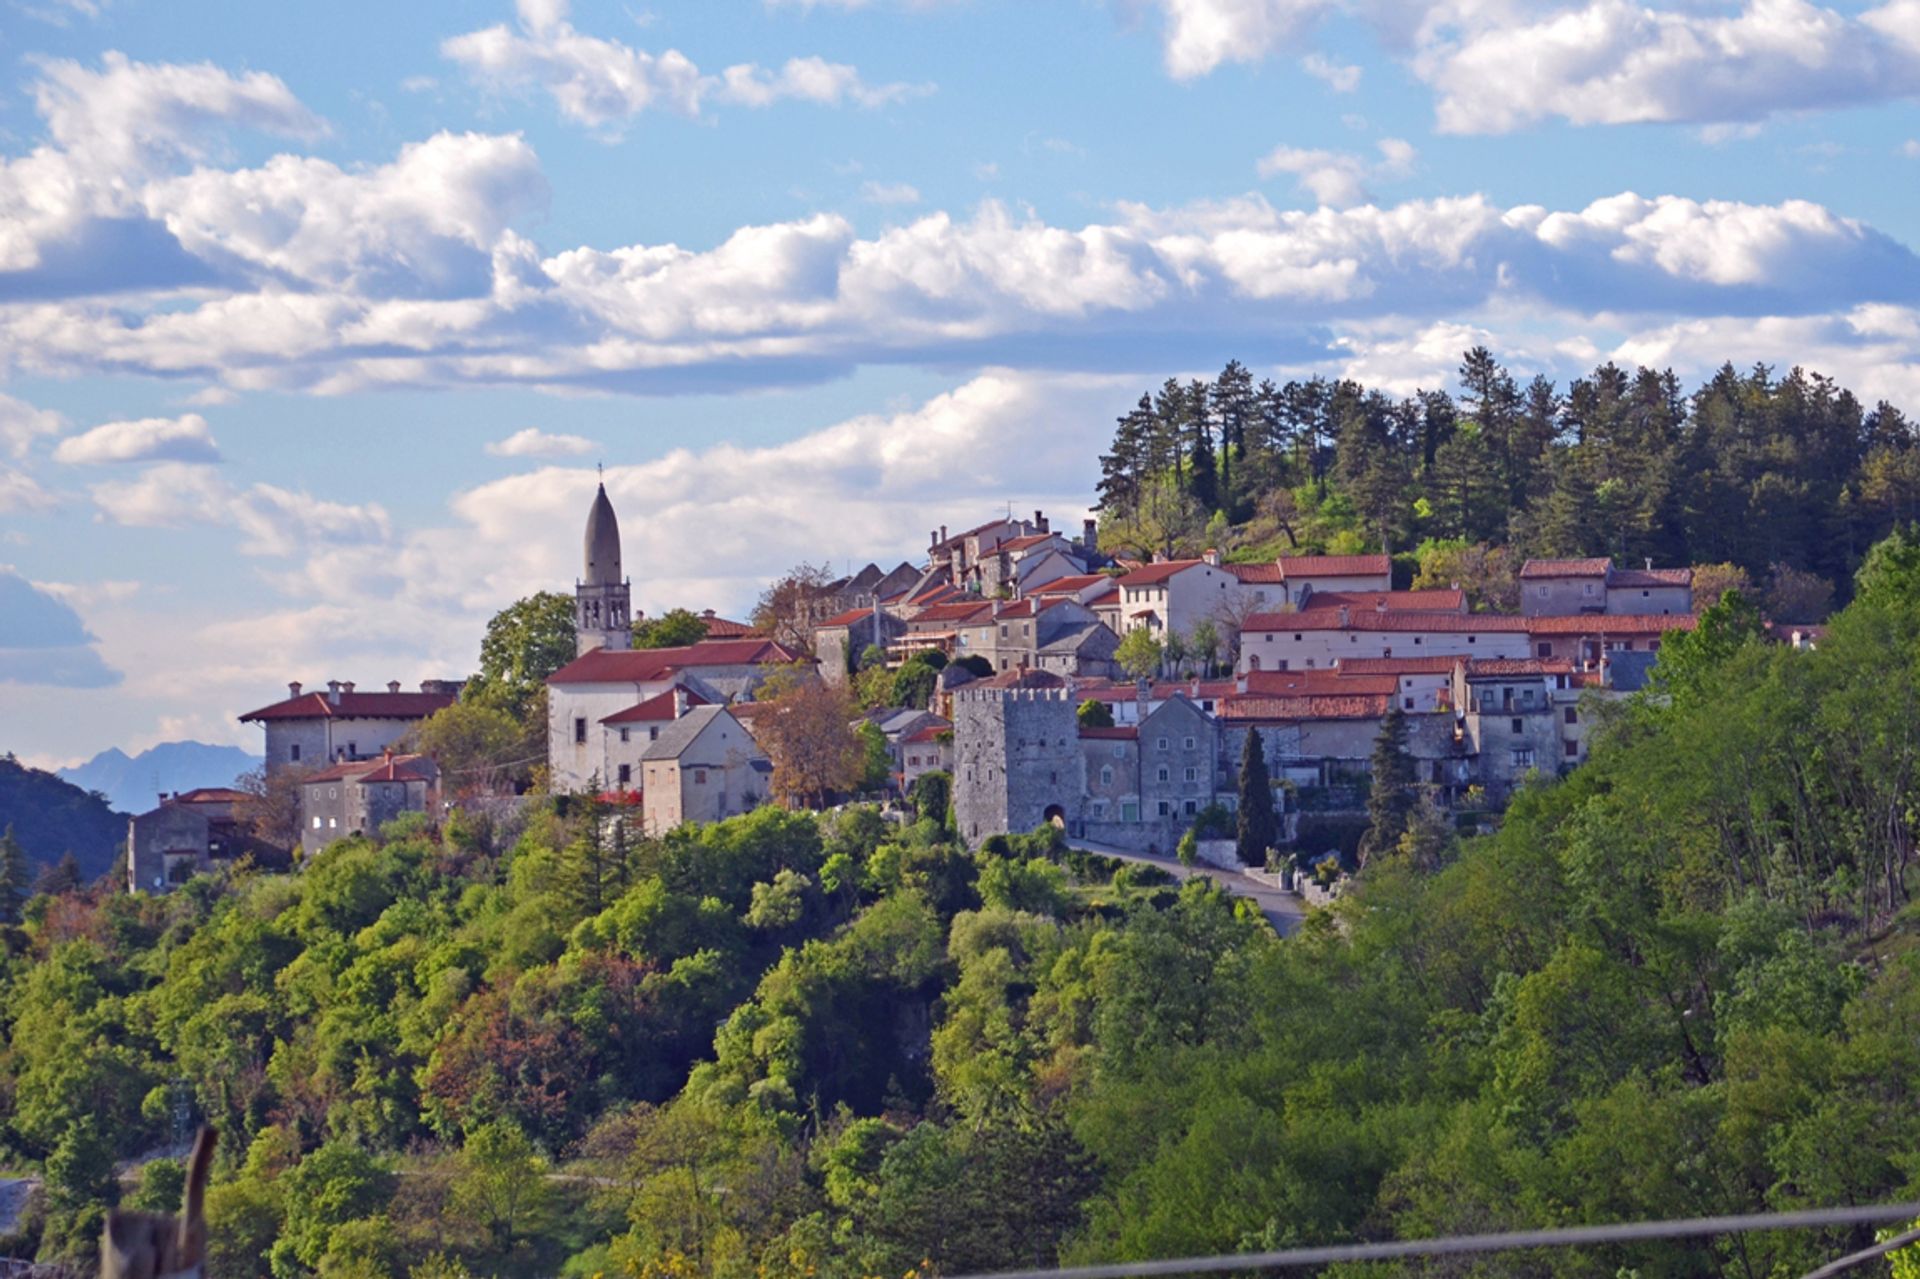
x=314, y=320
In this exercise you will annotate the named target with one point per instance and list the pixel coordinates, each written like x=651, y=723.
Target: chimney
x=393, y=686
x=1649, y=563
x=1380, y=605
x=1089, y=534
x=1039, y=522
x=679, y=700
x=943, y=532
x=163, y=797
x=1142, y=694
x=333, y=691
x=293, y=688
x=346, y=686
x=1212, y=556
x=1343, y=617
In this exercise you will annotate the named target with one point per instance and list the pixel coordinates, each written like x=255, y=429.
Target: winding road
x=1283, y=910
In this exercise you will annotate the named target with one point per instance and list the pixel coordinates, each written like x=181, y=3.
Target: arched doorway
x=1055, y=816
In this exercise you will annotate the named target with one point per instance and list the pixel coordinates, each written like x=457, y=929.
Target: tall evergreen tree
x=15, y=877
x=1391, y=800
x=1259, y=827
x=64, y=876
x=1125, y=467
x=1203, y=476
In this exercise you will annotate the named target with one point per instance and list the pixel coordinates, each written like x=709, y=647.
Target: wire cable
x=1571, y=1236
x=1853, y=1259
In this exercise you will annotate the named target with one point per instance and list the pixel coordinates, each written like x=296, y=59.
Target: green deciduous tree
x=1140, y=654
x=524, y=643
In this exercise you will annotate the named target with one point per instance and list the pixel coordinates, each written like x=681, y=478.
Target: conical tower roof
x=603, y=543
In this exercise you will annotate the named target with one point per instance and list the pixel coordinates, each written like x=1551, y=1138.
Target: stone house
x=1303, y=574
x=359, y=797
x=936, y=628
x=839, y=641
x=1174, y=595
x=703, y=767
x=626, y=735
x=1320, y=638
x=1562, y=588
x=927, y=747
x=1056, y=634
x=585, y=692
x=1588, y=638
x=310, y=730
x=1419, y=684
x=1016, y=754
x=187, y=834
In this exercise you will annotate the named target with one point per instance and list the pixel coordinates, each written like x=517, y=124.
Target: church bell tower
x=603, y=616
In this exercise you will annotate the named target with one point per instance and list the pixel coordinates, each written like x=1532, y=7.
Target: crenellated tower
x=603, y=613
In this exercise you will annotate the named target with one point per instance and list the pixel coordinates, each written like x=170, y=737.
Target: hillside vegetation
x=52, y=818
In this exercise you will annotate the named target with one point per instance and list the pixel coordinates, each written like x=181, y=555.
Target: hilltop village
x=1110, y=697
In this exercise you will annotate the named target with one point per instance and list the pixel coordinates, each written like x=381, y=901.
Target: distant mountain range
x=133, y=783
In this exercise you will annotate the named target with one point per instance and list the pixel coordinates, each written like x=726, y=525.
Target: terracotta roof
x=1022, y=543
x=319, y=705
x=1026, y=677
x=1072, y=584
x=1109, y=600
x=1117, y=733
x=396, y=768
x=1566, y=568
x=1334, y=565
x=958, y=611
x=657, y=707
x=1148, y=574
x=1360, y=666
x=1367, y=619
x=1610, y=624
x=1650, y=577
x=1354, y=706
x=847, y=618
x=1194, y=688
x=1336, y=682
x=1261, y=573
x=1442, y=600
x=1496, y=666
x=641, y=665
x=930, y=733
x=724, y=628
x=209, y=795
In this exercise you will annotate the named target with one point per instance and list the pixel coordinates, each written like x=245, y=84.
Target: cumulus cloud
x=604, y=84
x=1338, y=178
x=534, y=442
x=1341, y=77
x=42, y=640
x=22, y=423
x=149, y=439
x=889, y=193
x=1495, y=66
x=20, y=493
x=272, y=521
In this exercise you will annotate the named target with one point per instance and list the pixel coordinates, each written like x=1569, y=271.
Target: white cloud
x=889, y=193
x=21, y=423
x=1341, y=77
x=534, y=442
x=604, y=84
x=1911, y=148
x=21, y=494
x=271, y=520
x=151, y=439
x=1340, y=179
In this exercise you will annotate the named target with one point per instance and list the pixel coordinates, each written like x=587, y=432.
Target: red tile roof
x=1367, y=619
x=1118, y=733
x=1442, y=600
x=1336, y=682
x=958, y=611
x=396, y=768
x=1603, y=624
x=1359, y=666
x=1070, y=585
x=1256, y=573
x=1650, y=577
x=1566, y=568
x=847, y=618
x=1109, y=600
x=1496, y=666
x=1149, y=574
x=931, y=733
x=209, y=795
x=641, y=665
x=319, y=705
x=1252, y=707
x=1022, y=543
x=1334, y=565
x=723, y=628
x=1026, y=677
x=653, y=709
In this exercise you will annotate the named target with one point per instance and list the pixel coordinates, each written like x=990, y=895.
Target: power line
x=1853, y=1259
x=1572, y=1236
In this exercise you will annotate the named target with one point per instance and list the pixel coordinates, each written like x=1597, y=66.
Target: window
x=1472, y=639
x=316, y=823
x=1192, y=806
x=1408, y=701
x=579, y=730
x=1282, y=666
x=1106, y=774
x=1523, y=757
x=1296, y=637
x=1162, y=743
x=333, y=792
x=1518, y=726
x=1386, y=652
x=626, y=773
x=1573, y=748
x=1253, y=662
x=1165, y=773
x=1270, y=638
x=333, y=823
x=1003, y=630
x=1586, y=588
x=1309, y=663
x=1416, y=639
x=1165, y=808
x=1546, y=649
x=1573, y=716
x=1540, y=592
x=623, y=733
x=1186, y=743
x=1119, y=751
x=1192, y=775
x=653, y=734
x=293, y=752
x=699, y=777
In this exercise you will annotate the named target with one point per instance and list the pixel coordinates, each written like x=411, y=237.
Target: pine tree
x=1125, y=467
x=15, y=878
x=1259, y=827
x=1203, y=478
x=62, y=877
x=1390, y=802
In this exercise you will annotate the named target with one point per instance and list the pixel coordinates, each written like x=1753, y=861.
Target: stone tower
x=602, y=615
x=1017, y=758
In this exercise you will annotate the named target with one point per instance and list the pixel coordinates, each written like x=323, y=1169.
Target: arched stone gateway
x=1055, y=815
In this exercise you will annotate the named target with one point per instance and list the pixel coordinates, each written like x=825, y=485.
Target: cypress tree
x=1391, y=800
x=14, y=878
x=1259, y=827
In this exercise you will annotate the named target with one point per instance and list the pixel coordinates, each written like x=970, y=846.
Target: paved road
x=1284, y=910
